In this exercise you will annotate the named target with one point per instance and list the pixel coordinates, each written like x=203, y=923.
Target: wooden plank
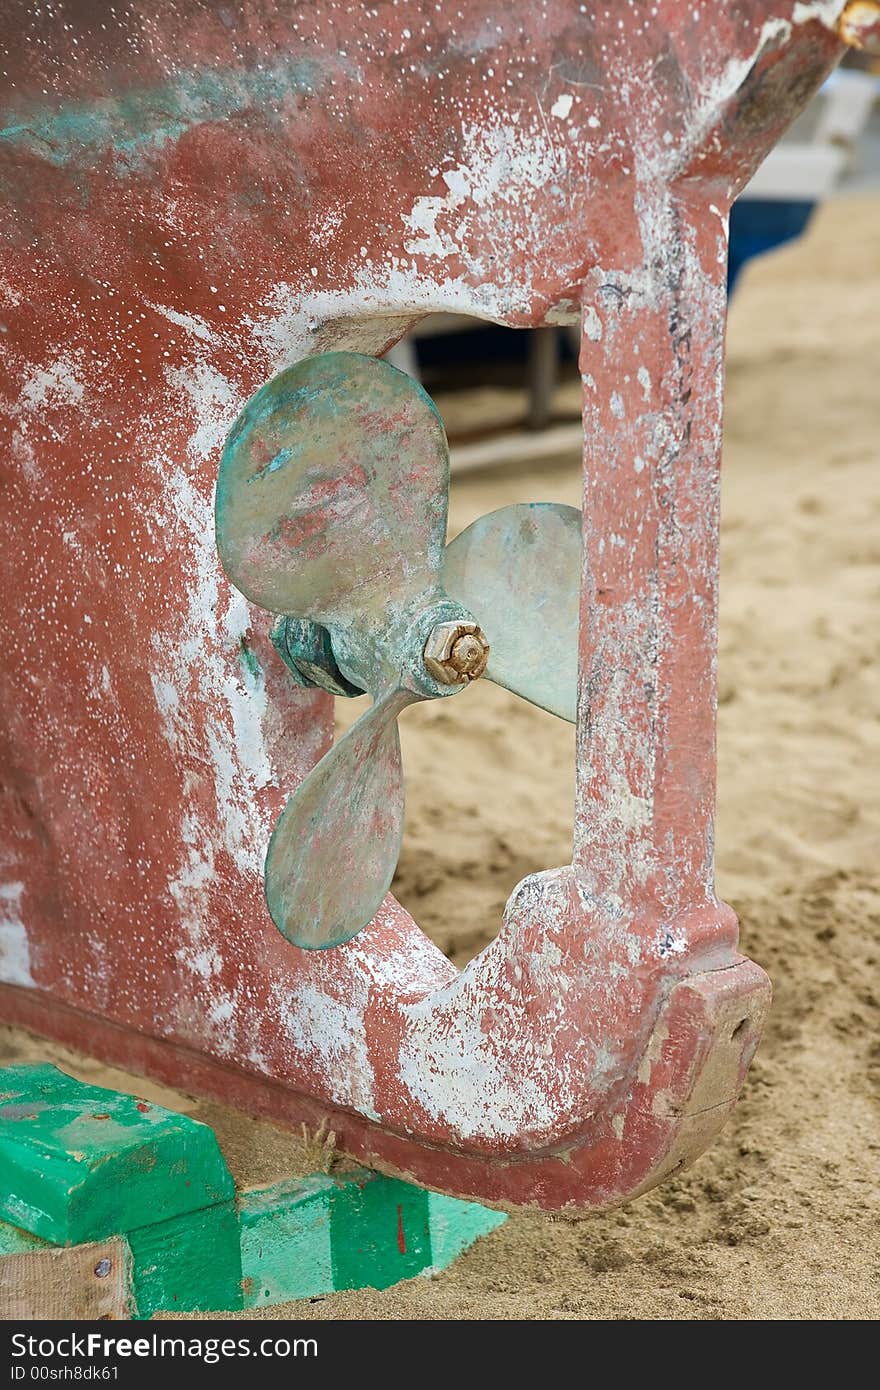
x=300, y=1239
x=517, y=447
x=85, y=1282
x=353, y=1230
x=79, y=1162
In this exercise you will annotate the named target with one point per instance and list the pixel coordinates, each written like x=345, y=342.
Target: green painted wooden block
x=285, y=1241
x=78, y=1162
x=190, y=1264
x=379, y=1232
x=16, y=1242
x=300, y=1239
x=455, y=1225
x=352, y=1230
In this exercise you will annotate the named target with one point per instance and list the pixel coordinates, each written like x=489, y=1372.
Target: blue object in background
x=759, y=224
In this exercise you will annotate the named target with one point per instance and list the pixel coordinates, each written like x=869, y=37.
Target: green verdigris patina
x=331, y=511
x=137, y=123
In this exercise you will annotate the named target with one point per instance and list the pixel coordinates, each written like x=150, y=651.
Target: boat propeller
x=331, y=511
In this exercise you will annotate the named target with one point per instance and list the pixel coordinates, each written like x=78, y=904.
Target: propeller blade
x=518, y=569
x=332, y=493
x=336, y=844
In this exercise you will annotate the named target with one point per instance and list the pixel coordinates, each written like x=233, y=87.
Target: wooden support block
x=79, y=1163
x=86, y=1282
x=300, y=1239
x=296, y=1239
x=379, y=1231
x=189, y=1264
x=353, y=1230
x=286, y=1249
x=76, y=1158
x=455, y=1225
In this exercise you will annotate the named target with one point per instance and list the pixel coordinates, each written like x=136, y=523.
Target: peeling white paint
x=234, y=701
x=828, y=12
x=15, y=954
x=204, y=962
x=189, y=887
x=214, y=403
x=501, y=163
x=670, y=943
x=332, y=1035
x=192, y=324
x=60, y=382
x=461, y=1077
x=592, y=324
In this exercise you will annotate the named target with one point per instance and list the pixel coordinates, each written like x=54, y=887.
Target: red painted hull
x=194, y=198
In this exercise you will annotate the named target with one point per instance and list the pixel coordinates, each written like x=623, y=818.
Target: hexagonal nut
x=456, y=653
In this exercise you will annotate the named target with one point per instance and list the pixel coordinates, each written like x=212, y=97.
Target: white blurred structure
x=821, y=146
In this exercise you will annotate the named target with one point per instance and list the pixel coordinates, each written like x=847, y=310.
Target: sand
x=780, y=1218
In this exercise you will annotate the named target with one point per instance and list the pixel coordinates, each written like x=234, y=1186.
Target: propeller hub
x=456, y=653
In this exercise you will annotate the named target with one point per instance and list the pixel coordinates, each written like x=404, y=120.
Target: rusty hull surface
x=195, y=196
